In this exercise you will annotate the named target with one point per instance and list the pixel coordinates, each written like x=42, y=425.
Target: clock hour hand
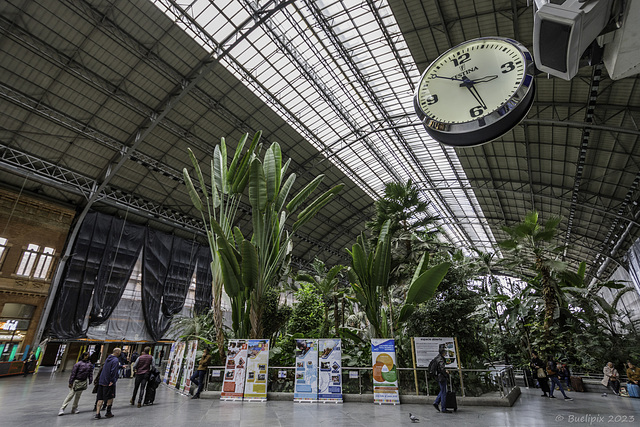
x=471, y=87
x=484, y=79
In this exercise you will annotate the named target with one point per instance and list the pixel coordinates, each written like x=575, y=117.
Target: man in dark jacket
x=107, y=383
x=81, y=377
x=198, y=376
x=141, y=367
x=443, y=377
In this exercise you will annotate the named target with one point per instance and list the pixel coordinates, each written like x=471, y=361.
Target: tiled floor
x=35, y=401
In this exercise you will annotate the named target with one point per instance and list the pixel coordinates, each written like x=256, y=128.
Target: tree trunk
x=336, y=319
x=217, y=318
x=255, y=317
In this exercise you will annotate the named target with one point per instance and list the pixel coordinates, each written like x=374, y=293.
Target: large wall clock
x=476, y=91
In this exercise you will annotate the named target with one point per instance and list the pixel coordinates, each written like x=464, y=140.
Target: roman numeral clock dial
x=476, y=91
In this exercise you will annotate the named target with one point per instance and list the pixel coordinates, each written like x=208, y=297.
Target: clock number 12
x=461, y=59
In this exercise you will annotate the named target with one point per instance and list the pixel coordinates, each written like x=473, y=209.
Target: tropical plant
x=250, y=267
x=533, y=245
x=326, y=283
x=369, y=278
x=221, y=201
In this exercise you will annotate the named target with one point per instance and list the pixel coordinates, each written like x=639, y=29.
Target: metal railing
x=359, y=380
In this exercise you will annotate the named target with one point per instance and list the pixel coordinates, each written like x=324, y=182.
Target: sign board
x=255, y=387
x=427, y=349
x=385, y=374
x=306, y=382
x=234, y=370
x=330, y=376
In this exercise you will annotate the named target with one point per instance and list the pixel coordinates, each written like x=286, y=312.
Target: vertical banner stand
x=255, y=387
x=234, y=371
x=330, y=370
x=306, y=373
x=415, y=373
x=385, y=374
x=455, y=341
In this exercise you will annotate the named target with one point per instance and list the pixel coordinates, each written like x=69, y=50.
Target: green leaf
x=284, y=192
x=195, y=198
x=304, y=193
x=250, y=270
x=270, y=171
x=257, y=188
x=405, y=312
x=424, y=287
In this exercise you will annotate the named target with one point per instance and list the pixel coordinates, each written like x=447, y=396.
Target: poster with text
x=427, y=348
x=306, y=383
x=255, y=387
x=177, y=364
x=234, y=370
x=385, y=375
x=330, y=376
x=189, y=363
x=172, y=356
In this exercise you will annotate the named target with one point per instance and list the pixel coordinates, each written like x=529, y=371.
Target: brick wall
x=26, y=221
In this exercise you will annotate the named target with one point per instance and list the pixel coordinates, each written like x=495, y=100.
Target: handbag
x=541, y=374
x=79, y=385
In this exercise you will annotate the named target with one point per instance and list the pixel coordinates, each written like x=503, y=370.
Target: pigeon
x=413, y=418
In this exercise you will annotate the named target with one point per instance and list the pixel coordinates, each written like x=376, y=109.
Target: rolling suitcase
x=577, y=384
x=452, y=403
x=633, y=390
x=149, y=395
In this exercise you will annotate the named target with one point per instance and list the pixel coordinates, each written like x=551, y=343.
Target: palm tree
x=533, y=245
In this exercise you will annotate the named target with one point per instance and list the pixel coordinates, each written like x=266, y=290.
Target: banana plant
x=251, y=266
x=218, y=202
x=369, y=278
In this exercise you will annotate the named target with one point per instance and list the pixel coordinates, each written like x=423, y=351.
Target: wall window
x=36, y=262
x=4, y=248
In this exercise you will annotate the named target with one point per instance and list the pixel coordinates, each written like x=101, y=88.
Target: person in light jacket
x=81, y=377
x=611, y=378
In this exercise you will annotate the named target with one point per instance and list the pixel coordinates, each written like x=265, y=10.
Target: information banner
x=257, y=365
x=172, y=356
x=306, y=384
x=427, y=348
x=385, y=376
x=234, y=370
x=176, y=364
x=330, y=376
x=190, y=361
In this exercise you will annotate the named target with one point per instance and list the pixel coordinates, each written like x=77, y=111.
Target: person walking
x=437, y=367
x=538, y=368
x=199, y=375
x=552, y=373
x=81, y=377
x=107, y=383
x=141, y=368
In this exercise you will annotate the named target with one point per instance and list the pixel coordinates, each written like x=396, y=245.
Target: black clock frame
x=494, y=124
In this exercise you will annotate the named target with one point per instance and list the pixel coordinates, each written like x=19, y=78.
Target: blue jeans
x=442, y=396
x=198, y=379
x=555, y=381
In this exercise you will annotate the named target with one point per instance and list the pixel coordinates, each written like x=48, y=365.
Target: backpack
x=433, y=366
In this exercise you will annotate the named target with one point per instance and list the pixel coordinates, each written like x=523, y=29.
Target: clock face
x=466, y=91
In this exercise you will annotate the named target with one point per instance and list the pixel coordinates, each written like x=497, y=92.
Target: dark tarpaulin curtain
x=176, y=287
x=203, y=281
x=81, y=273
x=155, y=265
x=123, y=248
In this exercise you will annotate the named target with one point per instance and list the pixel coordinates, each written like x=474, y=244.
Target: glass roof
x=341, y=74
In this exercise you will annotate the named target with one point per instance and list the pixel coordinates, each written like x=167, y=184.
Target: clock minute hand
x=450, y=78
x=470, y=86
